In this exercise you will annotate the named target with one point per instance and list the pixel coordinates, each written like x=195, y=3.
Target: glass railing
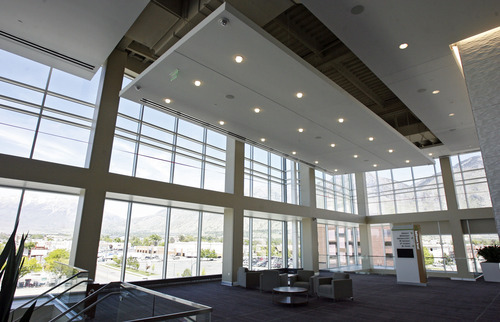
x=69, y=287
x=121, y=301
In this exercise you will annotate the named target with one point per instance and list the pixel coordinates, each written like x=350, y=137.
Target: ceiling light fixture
x=167, y=100
x=403, y=46
x=332, y=145
x=300, y=130
x=263, y=139
x=316, y=162
x=407, y=161
x=371, y=138
x=336, y=170
x=238, y=59
x=222, y=122
x=299, y=95
x=294, y=152
x=451, y=114
x=375, y=165
x=430, y=154
x=355, y=156
x=197, y=83
x=257, y=110
x=390, y=150
x=435, y=92
x=341, y=120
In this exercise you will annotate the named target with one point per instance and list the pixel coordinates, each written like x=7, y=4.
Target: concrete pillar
x=90, y=209
x=232, y=252
x=365, y=242
x=310, y=256
x=455, y=224
x=307, y=186
x=481, y=64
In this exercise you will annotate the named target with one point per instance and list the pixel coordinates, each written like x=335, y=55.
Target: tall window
x=381, y=246
x=160, y=242
x=45, y=114
x=470, y=181
x=48, y=217
x=405, y=190
x=336, y=192
x=270, y=176
x=338, y=246
x=271, y=244
x=152, y=144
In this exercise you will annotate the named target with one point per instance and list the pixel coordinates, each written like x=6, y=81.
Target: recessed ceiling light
x=407, y=161
x=451, y=114
x=300, y=130
x=430, y=154
x=355, y=156
x=403, y=46
x=197, y=83
x=238, y=59
x=435, y=92
x=294, y=152
x=375, y=165
x=390, y=150
x=371, y=138
x=299, y=94
x=316, y=162
x=257, y=110
x=222, y=122
x=167, y=100
x=336, y=170
x=341, y=120
x=332, y=145
x=263, y=139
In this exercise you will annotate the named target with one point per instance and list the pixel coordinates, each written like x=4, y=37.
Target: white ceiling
x=429, y=27
x=269, y=78
x=83, y=30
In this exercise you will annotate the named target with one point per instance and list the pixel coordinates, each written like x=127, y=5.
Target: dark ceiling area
x=164, y=22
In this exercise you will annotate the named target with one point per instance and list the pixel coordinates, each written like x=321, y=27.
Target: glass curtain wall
x=151, y=144
x=381, y=246
x=45, y=114
x=48, y=218
x=270, y=176
x=338, y=246
x=273, y=243
x=439, y=253
x=145, y=241
x=473, y=242
x=405, y=190
x=336, y=192
x=469, y=176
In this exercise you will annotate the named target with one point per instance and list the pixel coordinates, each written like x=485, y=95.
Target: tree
x=186, y=273
x=208, y=253
x=59, y=255
x=133, y=263
x=117, y=260
x=117, y=240
x=171, y=240
x=136, y=241
x=30, y=265
x=106, y=239
x=155, y=238
x=429, y=258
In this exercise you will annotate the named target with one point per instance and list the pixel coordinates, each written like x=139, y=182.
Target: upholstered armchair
x=304, y=278
x=338, y=286
x=248, y=279
x=270, y=279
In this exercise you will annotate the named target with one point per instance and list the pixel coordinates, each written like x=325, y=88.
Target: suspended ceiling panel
x=373, y=30
x=268, y=78
x=75, y=36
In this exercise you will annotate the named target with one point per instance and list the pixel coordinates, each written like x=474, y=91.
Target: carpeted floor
x=376, y=298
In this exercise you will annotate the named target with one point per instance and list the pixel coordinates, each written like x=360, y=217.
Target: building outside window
x=338, y=246
x=405, y=190
x=270, y=176
x=469, y=176
x=336, y=192
x=381, y=246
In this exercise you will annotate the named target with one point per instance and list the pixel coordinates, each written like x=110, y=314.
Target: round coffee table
x=290, y=295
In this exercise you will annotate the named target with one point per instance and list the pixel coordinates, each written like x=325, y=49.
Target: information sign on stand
x=409, y=256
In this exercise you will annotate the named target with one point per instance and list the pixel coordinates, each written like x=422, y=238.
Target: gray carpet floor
x=376, y=298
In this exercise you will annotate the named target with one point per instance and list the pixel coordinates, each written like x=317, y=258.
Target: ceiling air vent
x=47, y=51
